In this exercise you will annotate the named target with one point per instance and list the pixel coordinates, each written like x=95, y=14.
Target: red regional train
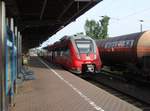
x=128, y=53
x=77, y=53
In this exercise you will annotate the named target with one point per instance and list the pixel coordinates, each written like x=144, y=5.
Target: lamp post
x=141, y=25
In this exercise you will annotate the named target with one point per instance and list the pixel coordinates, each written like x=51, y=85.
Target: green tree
x=97, y=30
x=104, y=27
x=92, y=28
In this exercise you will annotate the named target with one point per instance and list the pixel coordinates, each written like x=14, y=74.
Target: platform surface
x=55, y=89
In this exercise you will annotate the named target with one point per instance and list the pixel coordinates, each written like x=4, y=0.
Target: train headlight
x=78, y=56
x=90, y=68
x=94, y=56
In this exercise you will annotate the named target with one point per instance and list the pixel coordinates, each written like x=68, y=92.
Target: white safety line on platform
x=92, y=103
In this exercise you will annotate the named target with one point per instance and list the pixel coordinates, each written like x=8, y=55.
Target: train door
x=67, y=56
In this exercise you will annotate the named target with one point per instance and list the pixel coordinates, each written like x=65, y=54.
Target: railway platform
x=55, y=89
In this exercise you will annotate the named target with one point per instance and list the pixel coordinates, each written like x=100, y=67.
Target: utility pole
x=141, y=25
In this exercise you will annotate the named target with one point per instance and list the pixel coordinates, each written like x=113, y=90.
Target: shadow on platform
x=35, y=62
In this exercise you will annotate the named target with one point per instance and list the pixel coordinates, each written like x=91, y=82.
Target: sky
x=125, y=16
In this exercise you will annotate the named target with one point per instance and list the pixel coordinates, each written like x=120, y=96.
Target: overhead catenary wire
x=131, y=15
x=135, y=13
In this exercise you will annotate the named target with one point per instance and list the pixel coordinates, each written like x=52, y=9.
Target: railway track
x=117, y=86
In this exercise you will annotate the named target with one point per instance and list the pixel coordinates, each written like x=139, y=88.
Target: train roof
x=76, y=36
x=81, y=36
x=127, y=36
x=65, y=39
x=131, y=36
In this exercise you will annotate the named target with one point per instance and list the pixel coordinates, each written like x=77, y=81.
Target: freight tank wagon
x=128, y=53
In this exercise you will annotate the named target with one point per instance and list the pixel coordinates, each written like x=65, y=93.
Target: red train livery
x=77, y=53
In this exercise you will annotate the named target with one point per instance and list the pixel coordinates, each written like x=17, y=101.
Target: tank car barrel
x=127, y=52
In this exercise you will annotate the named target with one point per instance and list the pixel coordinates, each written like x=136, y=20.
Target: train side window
x=64, y=51
x=58, y=52
x=50, y=54
x=67, y=52
x=55, y=53
x=61, y=53
x=46, y=53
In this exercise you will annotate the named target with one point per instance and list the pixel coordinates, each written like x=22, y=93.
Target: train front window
x=85, y=46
